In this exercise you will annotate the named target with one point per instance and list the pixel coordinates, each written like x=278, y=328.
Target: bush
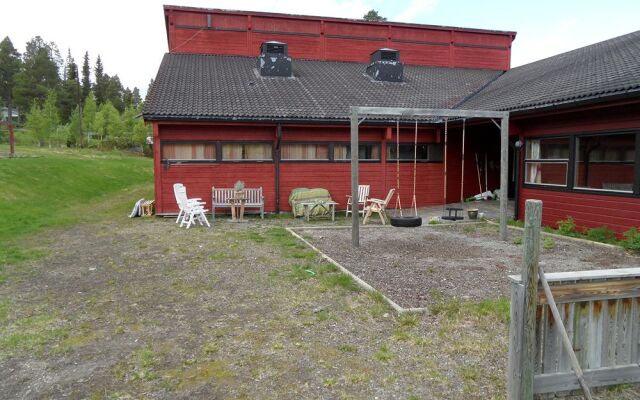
x=631, y=240
x=601, y=234
x=567, y=227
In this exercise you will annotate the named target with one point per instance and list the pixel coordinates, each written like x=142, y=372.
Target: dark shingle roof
x=600, y=70
x=190, y=86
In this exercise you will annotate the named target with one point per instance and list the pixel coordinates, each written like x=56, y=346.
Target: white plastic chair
x=191, y=210
x=363, y=195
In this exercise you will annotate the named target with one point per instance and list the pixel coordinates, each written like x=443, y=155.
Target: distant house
x=4, y=114
x=265, y=97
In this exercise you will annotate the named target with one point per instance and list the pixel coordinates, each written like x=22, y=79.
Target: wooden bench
x=220, y=198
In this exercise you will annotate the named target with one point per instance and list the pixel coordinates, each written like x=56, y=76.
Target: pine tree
x=9, y=67
x=69, y=91
x=373, y=15
x=127, y=98
x=10, y=64
x=86, y=76
x=114, y=92
x=39, y=73
x=136, y=100
x=100, y=86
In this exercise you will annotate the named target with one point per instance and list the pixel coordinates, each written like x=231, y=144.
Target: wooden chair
x=378, y=206
x=363, y=195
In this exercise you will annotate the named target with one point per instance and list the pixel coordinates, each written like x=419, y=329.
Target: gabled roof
x=214, y=87
x=604, y=69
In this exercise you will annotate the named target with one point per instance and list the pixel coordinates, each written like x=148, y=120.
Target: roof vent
x=274, y=60
x=386, y=66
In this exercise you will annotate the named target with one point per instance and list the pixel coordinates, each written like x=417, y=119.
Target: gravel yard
x=133, y=309
x=417, y=267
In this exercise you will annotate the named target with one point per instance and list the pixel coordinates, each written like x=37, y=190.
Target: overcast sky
x=130, y=35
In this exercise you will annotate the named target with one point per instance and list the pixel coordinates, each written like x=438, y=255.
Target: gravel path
x=417, y=267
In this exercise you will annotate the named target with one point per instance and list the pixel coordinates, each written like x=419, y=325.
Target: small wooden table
x=455, y=215
x=327, y=206
x=237, y=209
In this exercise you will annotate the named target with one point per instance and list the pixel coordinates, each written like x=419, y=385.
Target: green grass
x=455, y=308
x=63, y=187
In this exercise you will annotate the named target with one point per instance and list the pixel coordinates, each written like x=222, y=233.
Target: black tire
x=406, y=222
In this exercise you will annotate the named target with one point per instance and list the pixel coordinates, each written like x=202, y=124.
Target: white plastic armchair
x=191, y=210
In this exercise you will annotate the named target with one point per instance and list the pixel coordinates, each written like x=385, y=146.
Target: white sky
x=130, y=35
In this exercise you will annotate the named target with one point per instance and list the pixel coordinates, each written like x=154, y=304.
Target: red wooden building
x=264, y=98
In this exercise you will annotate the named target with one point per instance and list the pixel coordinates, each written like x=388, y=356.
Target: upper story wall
x=212, y=31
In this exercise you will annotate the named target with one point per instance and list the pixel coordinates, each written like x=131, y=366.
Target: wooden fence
x=598, y=313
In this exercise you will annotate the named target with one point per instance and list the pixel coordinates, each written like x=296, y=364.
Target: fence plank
x=635, y=337
x=563, y=381
x=514, y=373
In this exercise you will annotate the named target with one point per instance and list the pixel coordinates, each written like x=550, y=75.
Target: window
x=246, y=151
x=423, y=152
x=547, y=161
x=305, y=151
x=367, y=151
x=605, y=162
x=188, y=152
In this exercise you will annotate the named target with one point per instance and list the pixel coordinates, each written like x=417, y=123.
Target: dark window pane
x=365, y=152
x=407, y=152
x=605, y=162
x=547, y=149
x=546, y=173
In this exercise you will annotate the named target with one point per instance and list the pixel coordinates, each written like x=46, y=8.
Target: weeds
x=567, y=227
x=453, y=309
x=384, y=354
x=548, y=243
x=601, y=234
x=631, y=240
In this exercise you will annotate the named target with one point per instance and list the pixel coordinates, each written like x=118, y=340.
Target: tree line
x=62, y=104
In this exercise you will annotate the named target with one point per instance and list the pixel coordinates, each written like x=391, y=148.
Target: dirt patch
x=417, y=267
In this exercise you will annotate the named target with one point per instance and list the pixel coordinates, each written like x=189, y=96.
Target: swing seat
x=406, y=222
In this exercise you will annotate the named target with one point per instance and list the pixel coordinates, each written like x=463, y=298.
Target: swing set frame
x=439, y=116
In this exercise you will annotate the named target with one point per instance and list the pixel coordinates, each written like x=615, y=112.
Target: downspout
x=277, y=165
x=516, y=155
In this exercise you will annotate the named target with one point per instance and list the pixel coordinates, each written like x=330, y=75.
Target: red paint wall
x=317, y=38
x=335, y=176
x=588, y=210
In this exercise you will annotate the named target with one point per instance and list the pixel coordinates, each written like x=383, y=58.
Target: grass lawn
x=96, y=305
x=45, y=189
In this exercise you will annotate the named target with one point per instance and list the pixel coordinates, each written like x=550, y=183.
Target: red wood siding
x=589, y=210
x=317, y=38
x=335, y=176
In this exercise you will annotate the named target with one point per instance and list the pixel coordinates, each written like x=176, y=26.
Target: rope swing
x=408, y=221
x=462, y=168
x=398, y=202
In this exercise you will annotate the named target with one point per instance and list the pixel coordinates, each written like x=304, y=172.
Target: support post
x=504, y=175
x=530, y=267
x=12, y=137
x=355, y=216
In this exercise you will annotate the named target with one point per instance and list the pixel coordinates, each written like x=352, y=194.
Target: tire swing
x=401, y=220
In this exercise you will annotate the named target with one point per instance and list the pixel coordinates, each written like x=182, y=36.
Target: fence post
x=522, y=332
